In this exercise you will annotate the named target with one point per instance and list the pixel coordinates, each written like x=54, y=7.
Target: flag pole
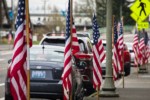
x=123, y=54
x=27, y=40
x=71, y=19
x=136, y=27
x=97, y=93
x=113, y=36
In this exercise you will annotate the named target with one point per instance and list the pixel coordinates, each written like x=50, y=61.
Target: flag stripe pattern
x=17, y=71
x=142, y=50
x=136, y=49
x=120, y=37
x=75, y=44
x=116, y=60
x=66, y=76
x=98, y=55
x=120, y=46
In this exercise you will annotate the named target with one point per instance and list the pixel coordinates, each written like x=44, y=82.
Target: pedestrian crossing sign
x=143, y=25
x=140, y=9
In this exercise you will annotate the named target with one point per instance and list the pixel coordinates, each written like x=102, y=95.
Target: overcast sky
x=33, y=4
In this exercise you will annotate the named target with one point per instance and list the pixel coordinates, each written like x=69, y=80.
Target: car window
x=89, y=47
x=46, y=55
x=83, y=35
x=82, y=46
x=56, y=42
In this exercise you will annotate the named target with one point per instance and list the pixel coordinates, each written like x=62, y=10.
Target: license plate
x=38, y=74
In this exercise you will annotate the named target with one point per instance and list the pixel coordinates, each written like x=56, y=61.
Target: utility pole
x=12, y=20
x=1, y=19
x=121, y=8
x=44, y=1
x=108, y=89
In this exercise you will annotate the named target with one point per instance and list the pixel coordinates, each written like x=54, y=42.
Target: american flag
x=121, y=37
x=142, y=51
x=98, y=55
x=146, y=54
x=66, y=76
x=75, y=44
x=136, y=48
x=18, y=66
x=116, y=56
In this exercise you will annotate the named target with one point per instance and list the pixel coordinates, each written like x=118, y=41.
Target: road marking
x=3, y=68
x=2, y=98
x=6, y=53
x=2, y=59
x=2, y=84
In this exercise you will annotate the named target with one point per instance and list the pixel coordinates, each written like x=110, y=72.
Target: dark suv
x=46, y=67
x=83, y=59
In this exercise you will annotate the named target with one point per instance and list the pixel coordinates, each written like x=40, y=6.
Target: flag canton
x=121, y=29
x=68, y=22
x=115, y=32
x=96, y=33
x=21, y=13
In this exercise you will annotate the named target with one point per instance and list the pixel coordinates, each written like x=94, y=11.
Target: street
x=130, y=81
x=4, y=57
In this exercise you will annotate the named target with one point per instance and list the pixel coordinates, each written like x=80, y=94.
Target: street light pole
x=1, y=19
x=108, y=89
x=121, y=8
x=44, y=1
x=12, y=20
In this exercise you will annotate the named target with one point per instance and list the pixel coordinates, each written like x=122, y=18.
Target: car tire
x=127, y=69
x=8, y=97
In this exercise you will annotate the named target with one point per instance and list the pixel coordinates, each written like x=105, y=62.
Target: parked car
x=83, y=57
x=46, y=67
x=84, y=34
x=53, y=40
x=130, y=48
x=127, y=60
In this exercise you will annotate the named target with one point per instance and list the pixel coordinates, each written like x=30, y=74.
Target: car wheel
x=77, y=87
x=8, y=97
x=127, y=69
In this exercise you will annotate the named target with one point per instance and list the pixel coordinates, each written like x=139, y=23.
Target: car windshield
x=82, y=35
x=129, y=45
x=58, y=42
x=40, y=54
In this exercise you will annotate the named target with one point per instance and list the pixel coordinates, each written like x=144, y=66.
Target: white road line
x=6, y=53
x=2, y=98
x=2, y=84
x=2, y=59
x=3, y=68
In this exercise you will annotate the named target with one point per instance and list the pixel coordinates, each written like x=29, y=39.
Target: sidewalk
x=137, y=87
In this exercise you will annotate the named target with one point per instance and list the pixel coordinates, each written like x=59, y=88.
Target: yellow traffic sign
x=141, y=9
x=135, y=17
x=143, y=25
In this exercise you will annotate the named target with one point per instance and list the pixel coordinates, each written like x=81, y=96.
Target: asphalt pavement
x=6, y=47
x=137, y=87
